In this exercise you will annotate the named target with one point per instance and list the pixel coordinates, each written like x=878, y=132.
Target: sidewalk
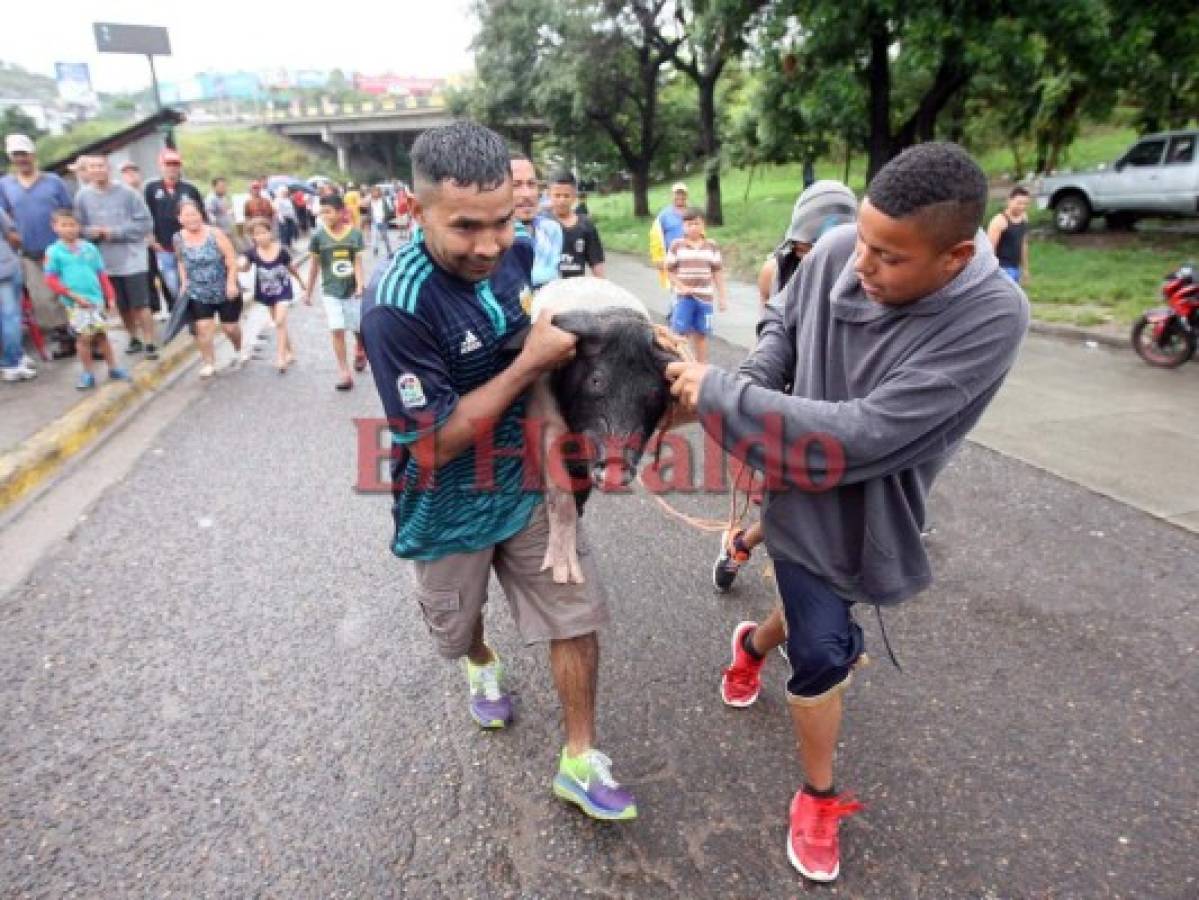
x=27, y=406
x=1074, y=405
x=46, y=421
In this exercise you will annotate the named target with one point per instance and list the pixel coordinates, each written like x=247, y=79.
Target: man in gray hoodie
x=117, y=220
x=885, y=350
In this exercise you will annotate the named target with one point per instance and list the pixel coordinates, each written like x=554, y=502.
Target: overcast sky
x=407, y=37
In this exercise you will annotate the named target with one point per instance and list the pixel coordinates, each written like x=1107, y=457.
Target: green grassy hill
x=242, y=154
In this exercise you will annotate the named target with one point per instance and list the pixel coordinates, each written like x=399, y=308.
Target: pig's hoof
x=565, y=568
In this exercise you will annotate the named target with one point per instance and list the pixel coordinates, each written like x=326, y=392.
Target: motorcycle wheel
x=1175, y=346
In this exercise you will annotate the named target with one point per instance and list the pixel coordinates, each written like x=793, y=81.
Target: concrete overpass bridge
x=364, y=132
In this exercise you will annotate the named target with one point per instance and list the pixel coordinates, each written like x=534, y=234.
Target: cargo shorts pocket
x=442, y=612
x=435, y=601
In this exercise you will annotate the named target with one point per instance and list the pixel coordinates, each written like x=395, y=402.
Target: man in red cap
x=163, y=196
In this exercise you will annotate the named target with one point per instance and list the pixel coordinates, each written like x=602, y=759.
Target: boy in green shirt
x=75, y=272
x=337, y=257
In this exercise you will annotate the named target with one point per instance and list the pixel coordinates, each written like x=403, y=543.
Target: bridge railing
x=361, y=109
x=382, y=107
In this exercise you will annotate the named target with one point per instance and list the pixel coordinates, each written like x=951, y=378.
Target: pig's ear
x=662, y=356
x=580, y=323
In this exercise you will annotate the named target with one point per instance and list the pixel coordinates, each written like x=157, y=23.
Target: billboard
x=74, y=83
x=147, y=40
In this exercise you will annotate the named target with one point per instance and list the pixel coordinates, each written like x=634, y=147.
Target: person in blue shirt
x=670, y=219
x=30, y=198
x=543, y=228
x=437, y=324
x=667, y=228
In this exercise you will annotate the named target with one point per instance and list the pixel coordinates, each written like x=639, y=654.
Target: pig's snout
x=614, y=460
x=612, y=472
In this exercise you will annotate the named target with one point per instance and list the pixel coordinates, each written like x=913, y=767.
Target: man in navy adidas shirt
x=435, y=323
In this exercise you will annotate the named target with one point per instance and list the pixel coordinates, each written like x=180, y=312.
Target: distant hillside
x=17, y=83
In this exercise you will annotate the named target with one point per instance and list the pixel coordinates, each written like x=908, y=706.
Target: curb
x=1078, y=333
x=46, y=451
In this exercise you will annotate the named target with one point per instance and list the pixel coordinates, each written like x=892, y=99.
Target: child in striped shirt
x=697, y=276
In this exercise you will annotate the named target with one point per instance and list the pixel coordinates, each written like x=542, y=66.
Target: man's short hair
x=218, y=180
x=333, y=201
x=63, y=212
x=937, y=182
x=464, y=153
x=564, y=176
x=692, y=212
x=1018, y=191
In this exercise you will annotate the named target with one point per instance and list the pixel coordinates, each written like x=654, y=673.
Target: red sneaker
x=742, y=681
x=812, y=843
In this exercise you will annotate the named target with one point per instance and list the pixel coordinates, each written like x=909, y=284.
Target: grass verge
x=1091, y=279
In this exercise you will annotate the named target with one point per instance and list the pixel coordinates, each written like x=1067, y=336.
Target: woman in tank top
x=208, y=283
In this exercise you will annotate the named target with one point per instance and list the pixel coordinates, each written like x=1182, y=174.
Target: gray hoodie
x=120, y=209
x=890, y=391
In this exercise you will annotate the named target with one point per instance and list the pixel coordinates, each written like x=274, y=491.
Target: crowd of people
x=131, y=248
x=159, y=240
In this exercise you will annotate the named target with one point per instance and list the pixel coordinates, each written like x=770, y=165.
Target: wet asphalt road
x=218, y=686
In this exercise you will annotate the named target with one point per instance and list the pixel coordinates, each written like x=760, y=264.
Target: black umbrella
x=180, y=317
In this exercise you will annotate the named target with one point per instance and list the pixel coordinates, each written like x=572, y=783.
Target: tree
x=612, y=60
x=919, y=59
x=1158, y=60
x=712, y=33
x=586, y=67
x=515, y=38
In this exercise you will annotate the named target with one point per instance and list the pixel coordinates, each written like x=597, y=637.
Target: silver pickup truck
x=1158, y=177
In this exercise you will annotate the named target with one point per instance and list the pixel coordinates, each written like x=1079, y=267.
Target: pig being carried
x=611, y=397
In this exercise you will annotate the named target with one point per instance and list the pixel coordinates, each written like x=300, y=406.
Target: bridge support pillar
x=341, y=143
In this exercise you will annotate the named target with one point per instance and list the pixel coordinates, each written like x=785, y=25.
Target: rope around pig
x=682, y=347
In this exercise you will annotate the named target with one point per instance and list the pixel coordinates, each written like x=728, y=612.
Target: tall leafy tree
x=587, y=67
x=1159, y=60
x=708, y=35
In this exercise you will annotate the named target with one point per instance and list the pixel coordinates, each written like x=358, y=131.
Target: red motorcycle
x=1166, y=337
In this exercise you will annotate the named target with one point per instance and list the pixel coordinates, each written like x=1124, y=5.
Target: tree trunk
x=642, y=189
x=878, y=75
x=951, y=77
x=709, y=139
x=1017, y=159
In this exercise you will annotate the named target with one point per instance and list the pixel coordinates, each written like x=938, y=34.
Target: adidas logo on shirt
x=470, y=343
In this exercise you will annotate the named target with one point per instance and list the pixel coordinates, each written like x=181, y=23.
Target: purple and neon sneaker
x=490, y=706
x=586, y=781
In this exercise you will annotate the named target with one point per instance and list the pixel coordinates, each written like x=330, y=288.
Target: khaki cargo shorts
x=452, y=590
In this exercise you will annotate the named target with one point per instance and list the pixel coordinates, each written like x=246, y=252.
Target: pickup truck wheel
x=1071, y=214
x=1120, y=221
